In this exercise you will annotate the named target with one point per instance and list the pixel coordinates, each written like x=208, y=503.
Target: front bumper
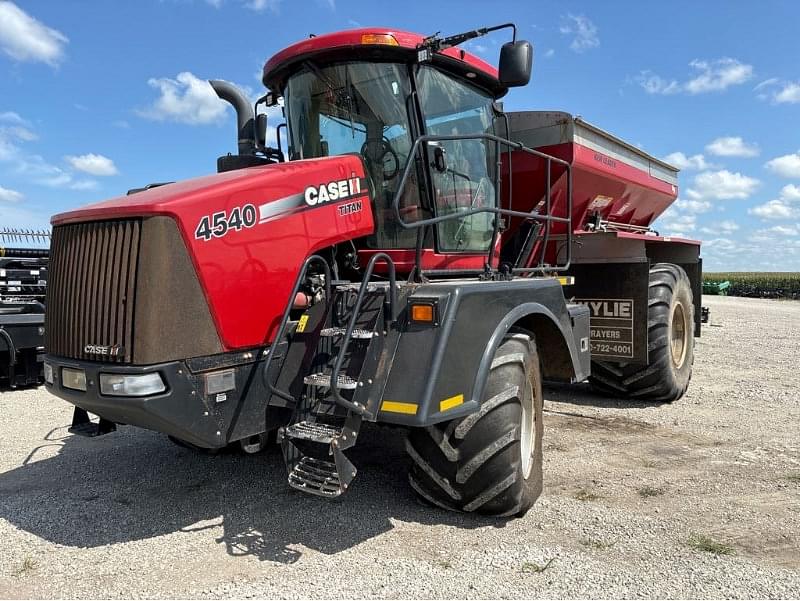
x=183, y=410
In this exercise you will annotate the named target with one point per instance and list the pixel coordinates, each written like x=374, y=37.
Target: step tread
x=313, y=431
x=317, y=477
x=358, y=334
x=343, y=382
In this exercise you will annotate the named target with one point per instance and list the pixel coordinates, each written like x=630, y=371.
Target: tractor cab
x=374, y=94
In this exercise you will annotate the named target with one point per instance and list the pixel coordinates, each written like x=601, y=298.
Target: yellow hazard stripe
x=566, y=280
x=301, y=325
x=395, y=407
x=453, y=401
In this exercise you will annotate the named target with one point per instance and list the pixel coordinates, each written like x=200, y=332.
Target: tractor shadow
x=132, y=485
x=582, y=395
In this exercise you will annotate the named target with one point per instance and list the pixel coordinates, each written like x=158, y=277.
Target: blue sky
x=97, y=97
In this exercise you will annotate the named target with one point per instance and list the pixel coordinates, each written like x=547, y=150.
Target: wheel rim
x=526, y=442
x=678, y=332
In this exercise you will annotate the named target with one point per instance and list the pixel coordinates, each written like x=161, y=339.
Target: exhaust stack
x=245, y=116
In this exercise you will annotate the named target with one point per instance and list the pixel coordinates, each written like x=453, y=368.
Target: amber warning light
x=378, y=38
x=423, y=313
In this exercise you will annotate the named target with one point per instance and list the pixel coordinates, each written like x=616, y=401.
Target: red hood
x=279, y=180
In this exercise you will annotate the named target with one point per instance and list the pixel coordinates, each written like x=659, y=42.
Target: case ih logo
x=105, y=351
x=339, y=190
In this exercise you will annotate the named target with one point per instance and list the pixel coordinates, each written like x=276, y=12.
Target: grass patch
x=709, y=545
x=599, y=545
x=531, y=567
x=586, y=495
x=650, y=491
x=29, y=564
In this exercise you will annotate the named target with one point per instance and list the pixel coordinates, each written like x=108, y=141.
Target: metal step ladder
x=337, y=395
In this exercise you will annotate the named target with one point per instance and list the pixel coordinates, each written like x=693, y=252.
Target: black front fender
x=438, y=373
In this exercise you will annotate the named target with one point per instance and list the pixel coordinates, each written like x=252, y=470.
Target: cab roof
x=376, y=43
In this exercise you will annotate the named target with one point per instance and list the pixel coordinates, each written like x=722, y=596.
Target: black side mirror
x=261, y=130
x=516, y=60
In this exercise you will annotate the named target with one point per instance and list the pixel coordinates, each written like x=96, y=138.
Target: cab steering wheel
x=378, y=150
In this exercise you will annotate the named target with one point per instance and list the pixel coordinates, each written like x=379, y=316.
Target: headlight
x=131, y=385
x=48, y=373
x=74, y=379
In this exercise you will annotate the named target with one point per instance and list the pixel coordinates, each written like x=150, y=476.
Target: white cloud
x=789, y=94
x=714, y=76
x=778, y=91
x=725, y=244
x=673, y=222
x=790, y=193
x=185, y=99
x=681, y=161
x=718, y=75
x=13, y=129
x=93, y=164
x=723, y=227
x=655, y=84
x=550, y=53
x=12, y=117
x=260, y=5
x=783, y=207
x=8, y=195
x=693, y=206
x=35, y=169
x=787, y=165
x=38, y=171
x=775, y=209
x=780, y=230
x=732, y=146
x=23, y=38
x=583, y=30
x=721, y=185
x=7, y=149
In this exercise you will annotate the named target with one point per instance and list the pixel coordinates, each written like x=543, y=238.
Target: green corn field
x=759, y=285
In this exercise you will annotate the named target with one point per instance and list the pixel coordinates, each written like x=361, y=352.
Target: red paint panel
x=247, y=275
x=352, y=39
x=405, y=259
x=636, y=197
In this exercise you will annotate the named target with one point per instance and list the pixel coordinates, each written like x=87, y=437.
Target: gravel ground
x=628, y=487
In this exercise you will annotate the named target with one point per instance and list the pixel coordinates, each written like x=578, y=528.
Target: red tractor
x=415, y=257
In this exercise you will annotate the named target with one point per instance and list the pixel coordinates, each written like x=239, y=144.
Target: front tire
x=670, y=320
x=490, y=461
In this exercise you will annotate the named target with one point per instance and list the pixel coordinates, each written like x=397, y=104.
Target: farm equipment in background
x=716, y=288
x=23, y=280
x=415, y=257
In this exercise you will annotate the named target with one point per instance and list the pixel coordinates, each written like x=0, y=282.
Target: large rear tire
x=490, y=461
x=670, y=320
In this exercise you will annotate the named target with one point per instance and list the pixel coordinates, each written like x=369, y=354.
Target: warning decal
x=611, y=326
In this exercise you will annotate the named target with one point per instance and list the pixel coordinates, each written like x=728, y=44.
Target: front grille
x=90, y=291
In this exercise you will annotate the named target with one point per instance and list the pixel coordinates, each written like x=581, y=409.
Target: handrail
x=348, y=335
x=496, y=210
x=285, y=320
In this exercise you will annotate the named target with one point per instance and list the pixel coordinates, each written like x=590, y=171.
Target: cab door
x=462, y=171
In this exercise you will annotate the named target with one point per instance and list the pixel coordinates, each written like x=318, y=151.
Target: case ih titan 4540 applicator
x=415, y=257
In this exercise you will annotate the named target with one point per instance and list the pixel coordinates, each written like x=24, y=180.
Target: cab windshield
x=358, y=107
